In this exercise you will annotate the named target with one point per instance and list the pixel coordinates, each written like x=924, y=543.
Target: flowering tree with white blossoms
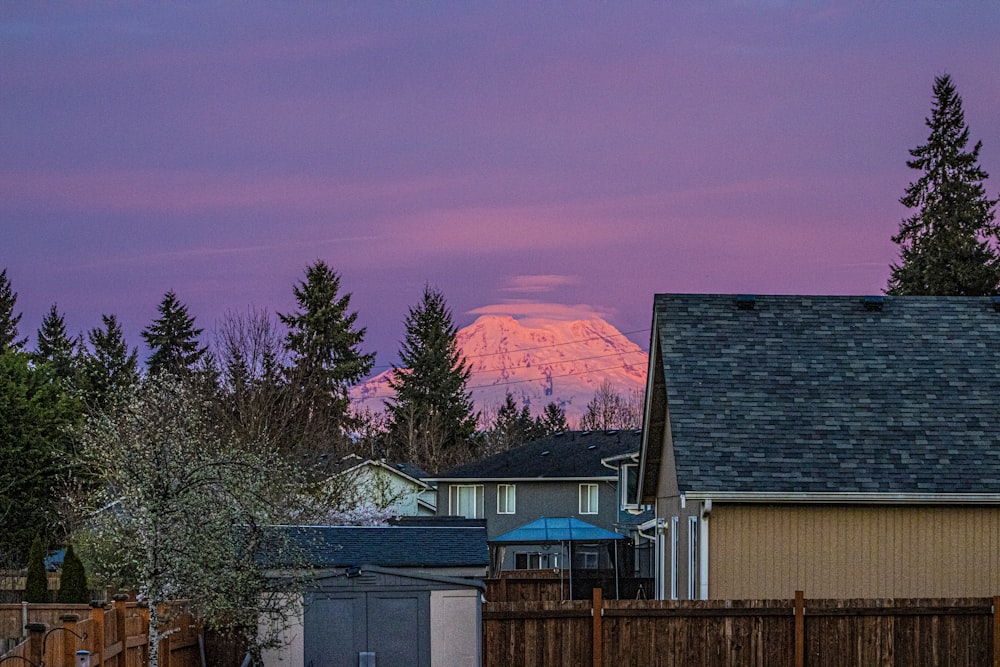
x=180, y=510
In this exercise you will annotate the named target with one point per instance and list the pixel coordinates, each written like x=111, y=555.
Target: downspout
x=706, y=511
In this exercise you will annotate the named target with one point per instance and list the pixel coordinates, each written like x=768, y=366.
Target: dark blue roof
x=385, y=546
x=557, y=529
x=831, y=393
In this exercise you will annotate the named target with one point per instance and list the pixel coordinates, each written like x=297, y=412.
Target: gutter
x=847, y=497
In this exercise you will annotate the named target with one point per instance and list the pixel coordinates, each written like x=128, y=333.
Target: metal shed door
x=393, y=625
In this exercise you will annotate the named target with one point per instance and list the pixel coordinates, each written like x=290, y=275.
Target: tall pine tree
x=55, y=347
x=949, y=245
x=324, y=346
x=431, y=415
x=109, y=367
x=8, y=320
x=173, y=339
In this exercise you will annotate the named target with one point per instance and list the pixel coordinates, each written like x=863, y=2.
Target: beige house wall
x=770, y=551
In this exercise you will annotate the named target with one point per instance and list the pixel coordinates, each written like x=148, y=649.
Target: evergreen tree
x=324, y=346
x=36, y=419
x=36, y=586
x=109, y=367
x=551, y=421
x=431, y=414
x=949, y=246
x=512, y=427
x=8, y=320
x=55, y=347
x=173, y=339
x=73, y=587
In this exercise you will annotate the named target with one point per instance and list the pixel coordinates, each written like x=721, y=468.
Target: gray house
x=387, y=595
x=561, y=475
x=844, y=446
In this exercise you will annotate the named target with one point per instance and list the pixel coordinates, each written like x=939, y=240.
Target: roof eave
x=846, y=497
x=594, y=478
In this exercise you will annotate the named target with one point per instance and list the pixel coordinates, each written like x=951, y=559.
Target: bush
x=73, y=587
x=36, y=587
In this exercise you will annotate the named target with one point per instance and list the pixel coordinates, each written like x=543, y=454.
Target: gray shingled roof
x=573, y=454
x=386, y=546
x=819, y=394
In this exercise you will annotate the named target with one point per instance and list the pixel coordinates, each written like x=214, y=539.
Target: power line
x=544, y=347
x=538, y=379
x=561, y=361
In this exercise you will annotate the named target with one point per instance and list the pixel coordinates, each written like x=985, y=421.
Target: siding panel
x=768, y=551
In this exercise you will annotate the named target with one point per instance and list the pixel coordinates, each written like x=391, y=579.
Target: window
x=506, y=499
x=588, y=499
x=628, y=484
x=466, y=500
x=527, y=561
x=586, y=560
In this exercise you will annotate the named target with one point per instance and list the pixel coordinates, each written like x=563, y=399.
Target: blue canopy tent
x=554, y=530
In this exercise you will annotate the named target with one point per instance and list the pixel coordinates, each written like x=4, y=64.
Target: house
x=397, y=487
x=560, y=475
x=393, y=595
x=845, y=446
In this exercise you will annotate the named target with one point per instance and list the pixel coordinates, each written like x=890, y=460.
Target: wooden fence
x=756, y=633
x=115, y=637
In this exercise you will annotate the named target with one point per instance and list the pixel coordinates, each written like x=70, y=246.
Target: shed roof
x=387, y=546
x=827, y=394
x=573, y=454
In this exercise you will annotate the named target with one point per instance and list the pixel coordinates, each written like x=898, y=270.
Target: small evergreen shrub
x=36, y=587
x=73, y=587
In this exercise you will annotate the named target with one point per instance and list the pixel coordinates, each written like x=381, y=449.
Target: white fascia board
x=848, y=497
x=507, y=480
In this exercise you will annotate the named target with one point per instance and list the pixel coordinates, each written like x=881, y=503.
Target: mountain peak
x=537, y=360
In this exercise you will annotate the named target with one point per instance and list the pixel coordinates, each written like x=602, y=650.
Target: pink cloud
x=533, y=284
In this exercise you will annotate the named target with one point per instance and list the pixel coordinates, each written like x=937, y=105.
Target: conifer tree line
x=276, y=381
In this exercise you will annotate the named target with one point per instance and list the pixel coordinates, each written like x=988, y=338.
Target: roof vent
x=873, y=303
x=996, y=303
x=746, y=301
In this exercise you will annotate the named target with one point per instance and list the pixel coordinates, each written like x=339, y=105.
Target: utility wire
x=544, y=347
x=559, y=361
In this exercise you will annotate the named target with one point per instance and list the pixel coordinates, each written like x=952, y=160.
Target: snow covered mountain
x=550, y=360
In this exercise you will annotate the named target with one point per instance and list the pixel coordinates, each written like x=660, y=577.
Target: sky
x=529, y=158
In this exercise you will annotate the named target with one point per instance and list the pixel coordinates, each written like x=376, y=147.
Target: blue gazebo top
x=558, y=529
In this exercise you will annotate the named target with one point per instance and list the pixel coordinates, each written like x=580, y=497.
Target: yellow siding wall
x=767, y=551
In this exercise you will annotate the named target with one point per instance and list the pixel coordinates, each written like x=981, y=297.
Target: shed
x=395, y=595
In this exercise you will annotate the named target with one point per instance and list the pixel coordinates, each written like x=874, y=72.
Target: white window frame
x=589, y=496
x=506, y=498
x=626, y=502
x=454, y=496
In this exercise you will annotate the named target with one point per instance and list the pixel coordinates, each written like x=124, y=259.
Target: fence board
x=755, y=633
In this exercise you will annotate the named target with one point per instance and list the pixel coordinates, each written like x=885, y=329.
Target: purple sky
x=573, y=153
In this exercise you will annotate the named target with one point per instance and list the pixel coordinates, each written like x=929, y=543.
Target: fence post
x=800, y=629
x=69, y=637
x=36, y=633
x=996, y=631
x=97, y=618
x=119, y=602
x=598, y=632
